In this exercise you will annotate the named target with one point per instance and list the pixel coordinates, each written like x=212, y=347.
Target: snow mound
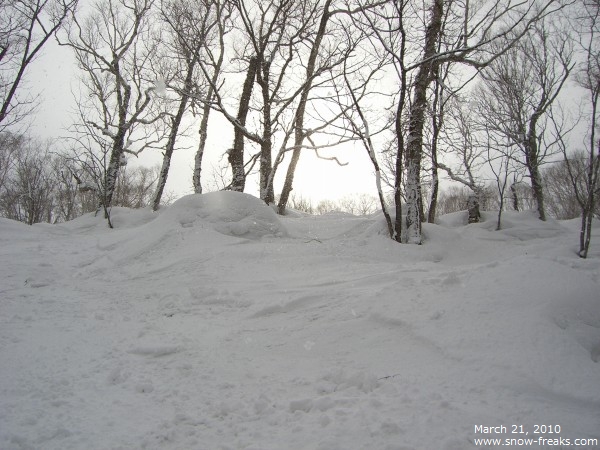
x=121, y=218
x=524, y=225
x=454, y=220
x=227, y=212
x=377, y=227
x=11, y=229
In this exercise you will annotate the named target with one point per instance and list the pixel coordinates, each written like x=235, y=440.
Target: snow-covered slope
x=214, y=324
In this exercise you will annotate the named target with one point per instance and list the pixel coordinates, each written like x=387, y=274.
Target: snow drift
x=230, y=213
x=214, y=324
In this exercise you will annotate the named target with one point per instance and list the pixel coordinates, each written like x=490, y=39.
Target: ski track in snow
x=177, y=332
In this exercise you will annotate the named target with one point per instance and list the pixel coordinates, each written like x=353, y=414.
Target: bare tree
x=358, y=204
x=359, y=79
x=327, y=206
x=46, y=184
x=519, y=92
x=438, y=109
x=475, y=35
x=80, y=174
x=504, y=164
x=199, y=29
x=589, y=78
x=299, y=116
x=66, y=194
x=263, y=28
x=275, y=31
x=25, y=28
x=193, y=28
x=27, y=194
x=175, y=64
x=461, y=147
x=321, y=60
x=302, y=204
x=135, y=187
x=562, y=201
x=9, y=143
x=273, y=46
x=114, y=47
x=215, y=54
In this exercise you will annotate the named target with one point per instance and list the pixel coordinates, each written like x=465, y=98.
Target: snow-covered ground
x=215, y=324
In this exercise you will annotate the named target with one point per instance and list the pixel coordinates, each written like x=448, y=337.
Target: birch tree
x=464, y=153
x=589, y=78
x=475, y=36
x=276, y=32
x=359, y=83
x=299, y=116
x=113, y=48
x=325, y=53
x=274, y=44
x=193, y=31
x=519, y=91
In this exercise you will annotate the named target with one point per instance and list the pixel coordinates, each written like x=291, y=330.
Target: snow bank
x=121, y=218
x=191, y=328
x=227, y=212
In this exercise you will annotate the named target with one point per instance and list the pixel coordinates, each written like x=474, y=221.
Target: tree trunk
x=435, y=186
x=399, y=129
x=532, y=162
x=236, y=154
x=587, y=215
x=123, y=92
x=399, y=163
x=414, y=146
x=473, y=207
x=267, y=193
x=203, y=131
x=166, y=164
x=112, y=172
x=175, y=123
x=436, y=123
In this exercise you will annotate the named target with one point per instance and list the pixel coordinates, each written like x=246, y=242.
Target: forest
x=454, y=308
x=498, y=98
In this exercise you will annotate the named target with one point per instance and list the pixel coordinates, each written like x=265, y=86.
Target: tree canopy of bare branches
x=25, y=28
x=114, y=48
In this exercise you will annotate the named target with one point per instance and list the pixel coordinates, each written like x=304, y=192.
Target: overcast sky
x=53, y=76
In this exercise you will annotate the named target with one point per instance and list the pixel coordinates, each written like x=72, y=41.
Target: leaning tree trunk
x=203, y=131
x=414, y=145
x=168, y=155
x=236, y=154
x=175, y=124
x=299, y=118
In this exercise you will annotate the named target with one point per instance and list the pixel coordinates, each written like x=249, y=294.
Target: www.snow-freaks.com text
x=522, y=436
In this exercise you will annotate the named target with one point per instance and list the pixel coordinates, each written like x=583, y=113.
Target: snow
x=216, y=324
